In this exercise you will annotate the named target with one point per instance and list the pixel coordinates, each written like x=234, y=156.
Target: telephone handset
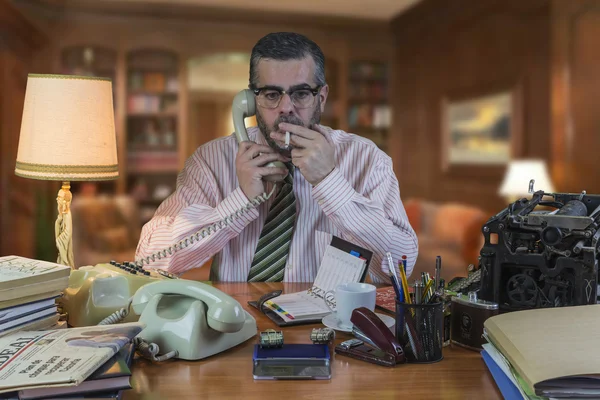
x=244, y=106
x=187, y=320
x=224, y=313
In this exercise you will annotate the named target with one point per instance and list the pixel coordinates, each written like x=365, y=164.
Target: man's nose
x=286, y=106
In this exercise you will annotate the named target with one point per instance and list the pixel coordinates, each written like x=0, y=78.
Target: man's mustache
x=288, y=120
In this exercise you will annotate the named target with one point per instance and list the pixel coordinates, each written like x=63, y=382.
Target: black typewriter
x=542, y=252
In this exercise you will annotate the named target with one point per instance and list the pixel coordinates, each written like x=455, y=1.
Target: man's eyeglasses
x=301, y=98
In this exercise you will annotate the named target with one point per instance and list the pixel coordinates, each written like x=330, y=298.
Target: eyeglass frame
x=314, y=91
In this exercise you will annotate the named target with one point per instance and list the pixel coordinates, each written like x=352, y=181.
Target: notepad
x=337, y=267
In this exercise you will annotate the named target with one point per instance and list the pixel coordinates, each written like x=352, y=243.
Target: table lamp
x=517, y=177
x=67, y=134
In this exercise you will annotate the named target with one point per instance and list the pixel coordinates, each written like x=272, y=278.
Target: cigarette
x=287, y=139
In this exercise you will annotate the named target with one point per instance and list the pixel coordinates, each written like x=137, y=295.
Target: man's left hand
x=313, y=151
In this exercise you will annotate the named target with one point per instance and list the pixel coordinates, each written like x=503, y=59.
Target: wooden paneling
x=576, y=86
x=18, y=196
x=460, y=46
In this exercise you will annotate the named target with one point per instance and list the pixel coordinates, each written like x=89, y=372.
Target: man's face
x=288, y=75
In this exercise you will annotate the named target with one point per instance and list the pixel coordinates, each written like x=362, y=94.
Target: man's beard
x=290, y=119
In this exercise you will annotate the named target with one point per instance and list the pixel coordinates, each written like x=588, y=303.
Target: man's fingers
x=253, y=150
x=323, y=132
x=295, y=140
x=266, y=171
x=244, y=146
x=299, y=130
x=266, y=158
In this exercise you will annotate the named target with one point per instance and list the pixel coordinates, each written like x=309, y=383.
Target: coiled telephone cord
x=117, y=316
x=150, y=350
x=146, y=349
x=202, y=233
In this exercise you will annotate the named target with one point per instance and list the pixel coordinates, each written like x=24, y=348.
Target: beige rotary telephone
x=244, y=106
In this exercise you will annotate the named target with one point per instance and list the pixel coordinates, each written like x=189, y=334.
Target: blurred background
x=457, y=93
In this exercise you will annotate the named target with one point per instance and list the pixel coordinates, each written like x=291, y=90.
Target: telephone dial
x=184, y=319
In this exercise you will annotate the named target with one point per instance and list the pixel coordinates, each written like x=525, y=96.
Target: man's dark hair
x=283, y=46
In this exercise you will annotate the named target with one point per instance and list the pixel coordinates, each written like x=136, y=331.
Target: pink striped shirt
x=358, y=201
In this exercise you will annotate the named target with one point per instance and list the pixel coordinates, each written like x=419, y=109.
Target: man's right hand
x=250, y=167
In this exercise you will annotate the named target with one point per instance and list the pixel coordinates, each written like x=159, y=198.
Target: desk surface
x=462, y=374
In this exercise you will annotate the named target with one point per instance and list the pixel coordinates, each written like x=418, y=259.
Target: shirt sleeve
x=375, y=219
x=192, y=207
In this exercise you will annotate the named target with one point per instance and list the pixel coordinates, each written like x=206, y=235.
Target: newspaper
x=59, y=357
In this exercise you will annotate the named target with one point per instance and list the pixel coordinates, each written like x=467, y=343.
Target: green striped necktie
x=274, y=242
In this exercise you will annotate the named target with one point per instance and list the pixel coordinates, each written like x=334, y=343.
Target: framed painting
x=481, y=129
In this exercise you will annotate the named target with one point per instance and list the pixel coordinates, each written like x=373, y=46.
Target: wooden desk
x=462, y=374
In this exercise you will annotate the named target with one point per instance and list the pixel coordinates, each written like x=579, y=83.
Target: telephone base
x=176, y=322
x=95, y=292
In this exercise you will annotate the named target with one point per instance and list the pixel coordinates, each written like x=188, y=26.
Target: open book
x=554, y=350
x=60, y=357
x=343, y=262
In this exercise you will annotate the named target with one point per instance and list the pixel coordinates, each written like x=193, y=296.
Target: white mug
x=348, y=297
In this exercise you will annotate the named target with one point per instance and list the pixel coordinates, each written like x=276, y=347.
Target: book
x=29, y=317
x=9, y=313
x=25, y=277
x=29, y=299
x=500, y=370
x=112, y=376
x=18, y=292
x=44, y=323
x=386, y=299
x=59, y=357
x=342, y=262
x=554, y=350
x=20, y=271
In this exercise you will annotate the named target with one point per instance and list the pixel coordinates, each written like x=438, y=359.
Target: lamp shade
x=520, y=172
x=68, y=129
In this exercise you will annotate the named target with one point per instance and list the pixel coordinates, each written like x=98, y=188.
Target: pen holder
x=420, y=331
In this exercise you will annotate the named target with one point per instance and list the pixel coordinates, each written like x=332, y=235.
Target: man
x=336, y=184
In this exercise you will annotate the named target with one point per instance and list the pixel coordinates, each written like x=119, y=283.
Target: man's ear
x=323, y=93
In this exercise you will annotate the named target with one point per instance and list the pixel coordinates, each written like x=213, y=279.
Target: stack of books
x=28, y=292
x=86, y=362
x=545, y=353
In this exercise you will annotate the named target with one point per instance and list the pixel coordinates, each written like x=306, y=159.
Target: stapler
x=374, y=342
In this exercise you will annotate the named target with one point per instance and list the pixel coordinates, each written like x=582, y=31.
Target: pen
x=419, y=323
x=394, y=277
x=427, y=292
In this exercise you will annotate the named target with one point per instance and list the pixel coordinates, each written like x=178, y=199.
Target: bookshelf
x=368, y=101
x=331, y=114
x=152, y=124
x=91, y=61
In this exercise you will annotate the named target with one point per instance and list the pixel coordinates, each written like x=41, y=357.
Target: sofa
x=449, y=230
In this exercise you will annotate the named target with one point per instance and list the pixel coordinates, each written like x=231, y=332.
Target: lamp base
x=63, y=228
